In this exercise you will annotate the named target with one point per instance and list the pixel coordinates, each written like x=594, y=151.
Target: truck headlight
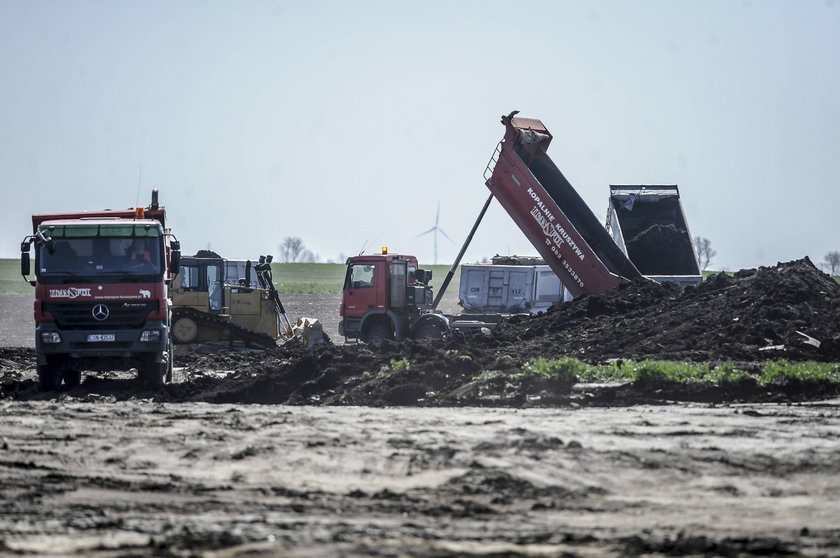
x=50, y=337
x=150, y=335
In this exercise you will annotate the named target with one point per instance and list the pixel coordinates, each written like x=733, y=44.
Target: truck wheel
x=72, y=377
x=428, y=330
x=377, y=333
x=185, y=330
x=153, y=372
x=49, y=377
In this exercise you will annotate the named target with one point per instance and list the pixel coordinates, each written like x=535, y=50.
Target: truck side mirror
x=175, y=262
x=25, y=267
x=175, y=256
x=423, y=276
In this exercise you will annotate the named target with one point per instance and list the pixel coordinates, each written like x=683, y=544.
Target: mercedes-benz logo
x=100, y=312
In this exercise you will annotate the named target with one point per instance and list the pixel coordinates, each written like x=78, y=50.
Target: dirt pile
x=757, y=314
x=790, y=311
x=754, y=316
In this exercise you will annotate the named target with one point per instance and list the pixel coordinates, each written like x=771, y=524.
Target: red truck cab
x=101, y=293
x=387, y=297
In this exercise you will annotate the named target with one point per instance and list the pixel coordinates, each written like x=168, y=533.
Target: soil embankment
x=790, y=311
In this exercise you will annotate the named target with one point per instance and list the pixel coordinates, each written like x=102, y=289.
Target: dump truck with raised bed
x=547, y=209
x=232, y=304
x=551, y=213
x=648, y=223
x=102, y=293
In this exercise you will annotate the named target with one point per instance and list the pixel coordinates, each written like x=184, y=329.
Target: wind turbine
x=436, y=229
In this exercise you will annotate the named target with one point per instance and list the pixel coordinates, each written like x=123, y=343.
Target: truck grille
x=121, y=314
x=115, y=345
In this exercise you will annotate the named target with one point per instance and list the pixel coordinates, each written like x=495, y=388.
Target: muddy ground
x=341, y=451
x=92, y=478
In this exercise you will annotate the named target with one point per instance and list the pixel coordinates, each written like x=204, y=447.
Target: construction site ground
x=346, y=450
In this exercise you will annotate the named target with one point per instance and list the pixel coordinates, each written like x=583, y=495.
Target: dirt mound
x=790, y=311
x=755, y=315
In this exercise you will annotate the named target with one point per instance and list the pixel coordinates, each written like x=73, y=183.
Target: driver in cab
x=139, y=251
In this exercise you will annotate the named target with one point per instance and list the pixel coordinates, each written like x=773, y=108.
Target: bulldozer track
x=230, y=333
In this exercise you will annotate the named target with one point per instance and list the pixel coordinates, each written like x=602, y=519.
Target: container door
x=496, y=290
x=517, y=290
x=474, y=289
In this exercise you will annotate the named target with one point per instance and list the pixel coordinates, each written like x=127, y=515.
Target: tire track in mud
x=134, y=478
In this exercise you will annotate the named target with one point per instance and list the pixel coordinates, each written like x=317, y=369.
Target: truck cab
x=387, y=297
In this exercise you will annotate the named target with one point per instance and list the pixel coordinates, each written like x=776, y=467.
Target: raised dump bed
x=648, y=223
x=551, y=214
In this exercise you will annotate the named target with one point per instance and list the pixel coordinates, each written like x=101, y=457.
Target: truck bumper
x=350, y=327
x=105, y=344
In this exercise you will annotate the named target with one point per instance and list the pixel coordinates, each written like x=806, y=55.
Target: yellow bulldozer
x=232, y=303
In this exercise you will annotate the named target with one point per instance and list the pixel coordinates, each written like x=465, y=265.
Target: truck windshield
x=101, y=256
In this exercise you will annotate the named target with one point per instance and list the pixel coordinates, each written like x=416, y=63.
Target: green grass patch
x=394, y=367
x=10, y=270
x=775, y=371
x=654, y=372
x=11, y=281
x=566, y=370
x=308, y=278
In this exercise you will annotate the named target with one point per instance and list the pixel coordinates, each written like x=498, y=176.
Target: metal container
x=510, y=289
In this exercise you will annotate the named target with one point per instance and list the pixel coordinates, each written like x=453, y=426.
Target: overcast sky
x=347, y=123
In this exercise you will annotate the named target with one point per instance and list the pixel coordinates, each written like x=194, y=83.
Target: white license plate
x=101, y=337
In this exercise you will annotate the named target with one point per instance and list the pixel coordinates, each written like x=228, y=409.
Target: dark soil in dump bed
x=749, y=318
x=662, y=250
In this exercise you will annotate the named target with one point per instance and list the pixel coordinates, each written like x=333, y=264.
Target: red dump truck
x=101, y=293
x=544, y=205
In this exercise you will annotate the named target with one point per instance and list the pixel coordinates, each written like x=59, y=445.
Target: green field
x=304, y=278
x=322, y=278
x=11, y=281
